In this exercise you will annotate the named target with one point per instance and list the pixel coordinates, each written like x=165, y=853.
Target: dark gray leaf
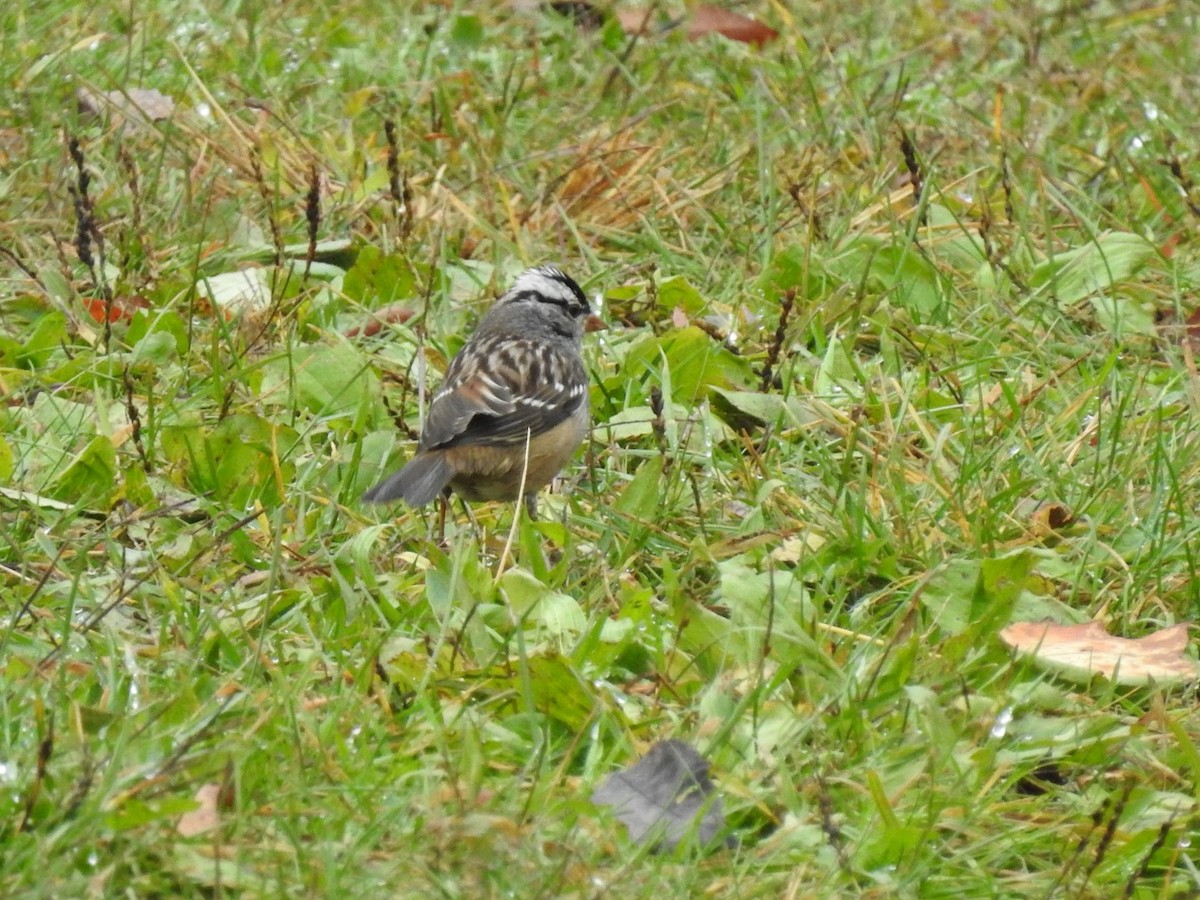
x=665, y=797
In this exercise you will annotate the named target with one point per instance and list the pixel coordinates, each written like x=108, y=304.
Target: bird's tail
x=425, y=476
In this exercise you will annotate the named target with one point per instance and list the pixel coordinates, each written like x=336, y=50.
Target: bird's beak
x=593, y=323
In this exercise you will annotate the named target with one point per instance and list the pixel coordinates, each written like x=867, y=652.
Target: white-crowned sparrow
x=513, y=406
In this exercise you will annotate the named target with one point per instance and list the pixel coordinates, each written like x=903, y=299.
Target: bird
x=513, y=406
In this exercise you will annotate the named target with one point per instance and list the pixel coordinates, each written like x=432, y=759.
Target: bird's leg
x=543, y=564
x=443, y=505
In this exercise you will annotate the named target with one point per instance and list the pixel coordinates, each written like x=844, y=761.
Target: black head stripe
x=547, y=284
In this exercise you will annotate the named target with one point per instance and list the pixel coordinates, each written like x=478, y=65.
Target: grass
x=962, y=236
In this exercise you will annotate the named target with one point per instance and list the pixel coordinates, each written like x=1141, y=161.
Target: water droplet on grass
x=1003, y=720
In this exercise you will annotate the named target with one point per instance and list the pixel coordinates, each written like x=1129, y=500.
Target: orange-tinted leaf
x=122, y=308
x=708, y=19
x=704, y=20
x=1082, y=651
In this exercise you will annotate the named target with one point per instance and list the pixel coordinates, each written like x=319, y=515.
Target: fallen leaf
x=242, y=292
x=122, y=308
x=703, y=20
x=707, y=19
x=1081, y=651
x=138, y=105
x=205, y=817
x=1193, y=331
x=393, y=314
x=1051, y=517
x=665, y=797
x=635, y=20
x=792, y=550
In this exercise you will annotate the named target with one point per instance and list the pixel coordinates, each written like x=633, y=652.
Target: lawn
x=899, y=355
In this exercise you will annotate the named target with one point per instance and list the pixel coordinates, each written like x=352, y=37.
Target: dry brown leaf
x=394, y=313
x=1051, y=517
x=707, y=19
x=635, y=20
x=137, y=105
x=205, y=817
x=797, y=547
x=1082, y=651
x=1192, y=331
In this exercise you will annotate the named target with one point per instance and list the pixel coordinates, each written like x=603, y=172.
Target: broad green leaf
x=641, y=497
x=522, y=590
x=694, y=363
x=948, y=594
x=378, y=278
x=332, y=380
x=1123, y=316
x=912, y=280
x=357, y=552
x=898, y=269
x=158, y=348
x=836, y=375
x=47, y=335
x=148, y=322
x=678, y=292
x=623, y=292
x=135, y=814
x=196, y=864
x=711, y=638
x=237, y=460
x=950, y=243
x=555, y=614
x=6, y=461
x=785, y=271
x=799, y=268
x=10, y=352
x=1093, y=268
x=756, y=597
x=978, y=595
x=1001, y=582
x=92, y=474
x=761, y=409
x=61, y=419
x=559, y=691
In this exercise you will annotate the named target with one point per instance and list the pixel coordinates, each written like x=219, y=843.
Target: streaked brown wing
x=499, y=390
